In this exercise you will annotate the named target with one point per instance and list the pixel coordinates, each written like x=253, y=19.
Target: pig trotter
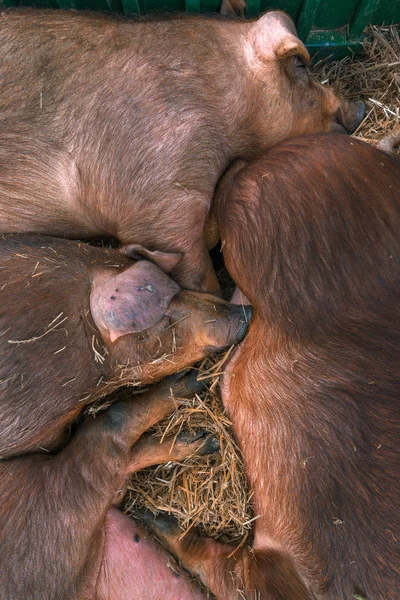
x=161, y=522
x=210, y=443
x=186, y=384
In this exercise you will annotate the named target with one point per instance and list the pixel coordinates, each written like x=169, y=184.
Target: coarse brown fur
x=54, y=360
x=311, y=235
x=122, y=127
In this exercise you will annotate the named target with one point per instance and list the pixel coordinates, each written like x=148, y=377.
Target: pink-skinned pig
x=122, y=127
x=76, y=323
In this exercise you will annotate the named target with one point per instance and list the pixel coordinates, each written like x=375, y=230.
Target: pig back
x=49, y=346
x=109, y=114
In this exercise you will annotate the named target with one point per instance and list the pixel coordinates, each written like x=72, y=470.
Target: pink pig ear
x=165, y=260
x=274, y=37
x=132, y=301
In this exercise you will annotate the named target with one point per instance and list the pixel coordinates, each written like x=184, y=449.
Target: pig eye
x=299, y=64
x=300, y=68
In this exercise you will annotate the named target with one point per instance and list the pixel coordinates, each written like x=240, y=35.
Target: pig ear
x=165, y=260
x=292, y=46
x=274, y=37
x=131, y=301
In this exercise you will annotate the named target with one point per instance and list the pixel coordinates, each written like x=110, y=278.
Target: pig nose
x=248, y=312
x=360, y=113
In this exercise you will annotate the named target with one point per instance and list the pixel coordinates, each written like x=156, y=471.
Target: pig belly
x=135, y=567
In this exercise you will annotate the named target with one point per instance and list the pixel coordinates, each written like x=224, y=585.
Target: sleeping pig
x=77, y=322
x=122, y=127
x=313, y=391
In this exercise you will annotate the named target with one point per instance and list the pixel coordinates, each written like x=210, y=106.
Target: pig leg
x=390, y=143
x=233, y=7
x=53, y=508
x=148, y=451
x=265, y=574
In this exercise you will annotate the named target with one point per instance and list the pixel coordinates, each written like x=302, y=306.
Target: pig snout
x=248, y=312
x=348, y=116
x=360, y=113
x=232, y=328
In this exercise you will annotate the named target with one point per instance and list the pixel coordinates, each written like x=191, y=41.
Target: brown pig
x=122, y=127
x=94, y=320
x=313, y=392
x=62, y=536
x=76, y=323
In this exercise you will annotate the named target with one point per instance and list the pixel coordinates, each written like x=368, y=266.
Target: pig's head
x=284, y=99
x=151, y=327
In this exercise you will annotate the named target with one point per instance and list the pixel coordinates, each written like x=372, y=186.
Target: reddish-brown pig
x=97, y=320
x=311, y=235
x=76, y=323
x=122, y=127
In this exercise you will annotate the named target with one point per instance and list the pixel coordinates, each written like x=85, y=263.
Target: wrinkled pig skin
x=122, y=128
x=313, y=390
x=61, y=535
x=68, y=335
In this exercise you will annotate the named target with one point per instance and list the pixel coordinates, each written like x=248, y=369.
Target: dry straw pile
x=211, y=492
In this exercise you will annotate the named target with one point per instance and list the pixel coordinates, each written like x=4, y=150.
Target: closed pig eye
x=300, y=69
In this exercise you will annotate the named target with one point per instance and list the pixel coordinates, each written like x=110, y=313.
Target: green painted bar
x=333, y=14
x=360, y=19
x=67, y=4
x=306, y=18
x=192, y=6
x=131, y=7
x=388, y=11
x=332, y=44
x=253, y=8
x=210, y=5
